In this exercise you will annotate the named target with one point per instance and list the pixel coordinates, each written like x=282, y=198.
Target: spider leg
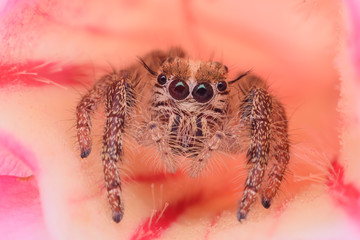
x=280, y=152
x=258, y=111
x=117, y=102
x=87, y=106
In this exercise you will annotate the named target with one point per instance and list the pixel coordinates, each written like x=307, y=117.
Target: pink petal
x=20, y=206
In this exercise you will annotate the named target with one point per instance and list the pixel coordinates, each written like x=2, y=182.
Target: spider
x=190, y=109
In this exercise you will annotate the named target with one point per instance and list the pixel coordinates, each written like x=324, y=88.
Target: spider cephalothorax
x=188, y=108
x=189, y=104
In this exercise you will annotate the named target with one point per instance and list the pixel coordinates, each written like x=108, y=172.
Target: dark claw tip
x=265, y=202
x=241, y=216
x=117, y=216
x=85, y=153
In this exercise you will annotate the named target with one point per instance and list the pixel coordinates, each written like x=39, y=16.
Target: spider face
x=190, y=103
x=189, y=81
x=184, y=108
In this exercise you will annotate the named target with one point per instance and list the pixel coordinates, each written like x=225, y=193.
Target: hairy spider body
x=188, y=108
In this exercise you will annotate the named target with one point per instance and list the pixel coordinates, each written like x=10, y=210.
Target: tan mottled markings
x=177, y=68
x=211, y=72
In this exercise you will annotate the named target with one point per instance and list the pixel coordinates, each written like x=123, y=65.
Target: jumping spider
x=191, y=109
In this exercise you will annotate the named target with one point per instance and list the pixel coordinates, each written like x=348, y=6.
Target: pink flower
x=308, y=51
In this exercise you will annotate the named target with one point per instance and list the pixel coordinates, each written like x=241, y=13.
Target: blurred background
x=52, y=51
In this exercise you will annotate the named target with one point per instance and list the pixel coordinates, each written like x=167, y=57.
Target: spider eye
x=162, y=79
x=203, y=92
x=179, y=89
x=221, y=86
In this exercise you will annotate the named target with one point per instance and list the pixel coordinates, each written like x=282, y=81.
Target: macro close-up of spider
x=142, y=120
x=188, y=109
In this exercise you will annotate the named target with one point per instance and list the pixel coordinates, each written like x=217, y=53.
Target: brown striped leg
x=87, y=106
x=115, y=110
x=280, y=152
x=259, y=117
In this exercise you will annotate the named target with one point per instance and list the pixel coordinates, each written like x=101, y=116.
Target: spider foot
x=265, y=202
x=117, y=216
x=85, y=152
x=241, y=215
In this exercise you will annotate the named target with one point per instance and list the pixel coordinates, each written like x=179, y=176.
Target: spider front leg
x=257, y=113
x=119, y=97
x=85, y=108
x=266, y=118
x=279, y=151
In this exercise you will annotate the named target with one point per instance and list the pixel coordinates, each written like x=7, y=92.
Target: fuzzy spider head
x=192, y=85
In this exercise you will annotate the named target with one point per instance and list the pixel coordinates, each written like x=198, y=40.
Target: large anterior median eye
x=203, y=92
x=179, y=89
